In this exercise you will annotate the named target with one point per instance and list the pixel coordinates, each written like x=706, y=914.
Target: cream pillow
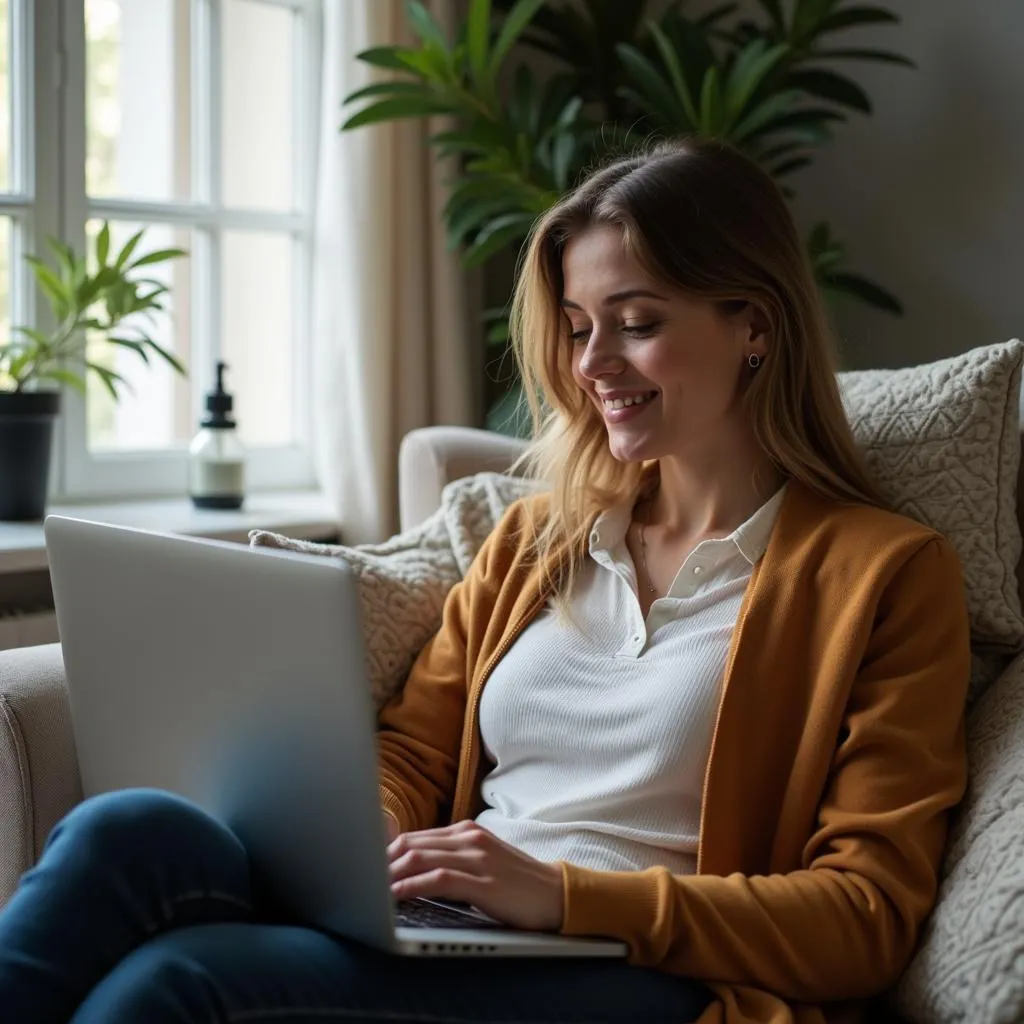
x=403, y=582
x=943, y=442
x=969, y=965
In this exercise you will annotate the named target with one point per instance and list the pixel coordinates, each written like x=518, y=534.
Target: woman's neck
x=693, y=498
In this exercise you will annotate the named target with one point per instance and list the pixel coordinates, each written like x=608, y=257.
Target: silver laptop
x=237, y=678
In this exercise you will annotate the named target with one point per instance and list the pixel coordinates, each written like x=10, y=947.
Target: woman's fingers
x=466, y=862
x=444, y=883
x=422, y=860
x=451, y=838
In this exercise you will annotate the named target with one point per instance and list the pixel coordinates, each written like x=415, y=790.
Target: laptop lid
x=236, y=678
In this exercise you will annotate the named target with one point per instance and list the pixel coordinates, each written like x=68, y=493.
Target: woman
x=722, y=719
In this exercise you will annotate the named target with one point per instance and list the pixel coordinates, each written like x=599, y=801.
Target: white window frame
x=32, y=200
x=81, y=473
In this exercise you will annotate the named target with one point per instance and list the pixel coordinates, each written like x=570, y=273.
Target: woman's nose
x=601, y=355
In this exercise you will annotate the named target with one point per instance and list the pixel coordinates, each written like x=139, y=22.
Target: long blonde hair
x=704, y=219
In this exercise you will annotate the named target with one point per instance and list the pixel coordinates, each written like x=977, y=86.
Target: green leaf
x=51, y=285
x=710, y=102
x=400, y=107
x=129, y=247
x=103, y=244
x=775, y=152
x=562, y=153
x=68, y=377
x=42, y=340
x=828, y=85
x=478, y=36
x=502, y=231
x=145, y=300
x=424, y=25
x=764, y=114
x=136, y=346
x=861, y=288
x=498, y=333
x=880, y=56
x=675, y=71
x=808, y=15
x=18, y=366
x=109, y=378
x=474, y=187
x=521, y=14
x=389, y=88
x=812, y=121
x=790, y=166
x=754, y=62
x=857, y=16
x=158, y=256
x=65, y=257
x=382, y=57
x=473, y=216
x=167, y=356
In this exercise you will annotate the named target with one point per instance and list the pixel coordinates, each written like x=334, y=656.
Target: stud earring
x=753, y=360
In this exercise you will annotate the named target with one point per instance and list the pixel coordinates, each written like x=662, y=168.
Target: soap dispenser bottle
x=216, y=456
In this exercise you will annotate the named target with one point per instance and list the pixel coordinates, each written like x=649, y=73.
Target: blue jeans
x=143, y=910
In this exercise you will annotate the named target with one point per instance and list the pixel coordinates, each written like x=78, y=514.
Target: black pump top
x=219, y=404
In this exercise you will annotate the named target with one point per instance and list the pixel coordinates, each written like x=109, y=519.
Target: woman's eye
x=641, y=330
x=581, y=335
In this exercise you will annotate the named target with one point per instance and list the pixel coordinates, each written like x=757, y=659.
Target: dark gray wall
x=928, y=193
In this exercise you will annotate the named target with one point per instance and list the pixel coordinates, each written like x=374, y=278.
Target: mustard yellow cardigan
x=837, y=754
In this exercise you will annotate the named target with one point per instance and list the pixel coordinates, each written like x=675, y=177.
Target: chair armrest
x=39, y=780
x=431, y=457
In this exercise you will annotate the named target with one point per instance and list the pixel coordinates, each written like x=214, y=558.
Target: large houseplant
x=109, y=304
x=768, y=84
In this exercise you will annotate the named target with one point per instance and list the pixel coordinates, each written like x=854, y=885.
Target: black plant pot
x=26, y=440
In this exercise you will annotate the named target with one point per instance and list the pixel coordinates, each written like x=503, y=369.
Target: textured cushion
x=969, y=967
x=942, y=440
x=404, y=581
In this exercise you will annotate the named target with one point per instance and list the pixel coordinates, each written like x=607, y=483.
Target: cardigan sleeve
x=845, y=924
x=420, y=731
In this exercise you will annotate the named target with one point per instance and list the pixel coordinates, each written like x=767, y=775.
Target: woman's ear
x=751, y=324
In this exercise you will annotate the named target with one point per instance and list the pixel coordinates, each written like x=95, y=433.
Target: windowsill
x=301, y=514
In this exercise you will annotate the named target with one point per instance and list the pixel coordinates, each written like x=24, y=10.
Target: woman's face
x=679, y=363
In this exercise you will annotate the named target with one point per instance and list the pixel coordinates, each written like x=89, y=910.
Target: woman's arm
x=846, y=925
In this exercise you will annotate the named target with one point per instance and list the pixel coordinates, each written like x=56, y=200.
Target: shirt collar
x=750, y=538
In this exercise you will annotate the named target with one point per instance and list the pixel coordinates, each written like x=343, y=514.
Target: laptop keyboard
x=422, y=914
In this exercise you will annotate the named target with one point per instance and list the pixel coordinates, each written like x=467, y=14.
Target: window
x=195, y=120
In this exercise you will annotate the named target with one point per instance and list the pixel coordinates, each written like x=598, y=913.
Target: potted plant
x=769, y=78
x=110, y=302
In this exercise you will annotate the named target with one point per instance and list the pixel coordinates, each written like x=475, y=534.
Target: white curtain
x=392, y=338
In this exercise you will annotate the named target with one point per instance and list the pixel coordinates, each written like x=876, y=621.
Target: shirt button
x=698, y=570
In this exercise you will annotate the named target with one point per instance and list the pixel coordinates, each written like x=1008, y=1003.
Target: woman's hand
x=466, y=862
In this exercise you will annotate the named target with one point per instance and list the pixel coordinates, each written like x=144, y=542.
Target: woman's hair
x=704, y=220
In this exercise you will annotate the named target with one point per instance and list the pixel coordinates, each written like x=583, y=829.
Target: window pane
x=257, y=117
x=155, y=410
x=5, y=96
x=257, y=341
x=137, y=98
